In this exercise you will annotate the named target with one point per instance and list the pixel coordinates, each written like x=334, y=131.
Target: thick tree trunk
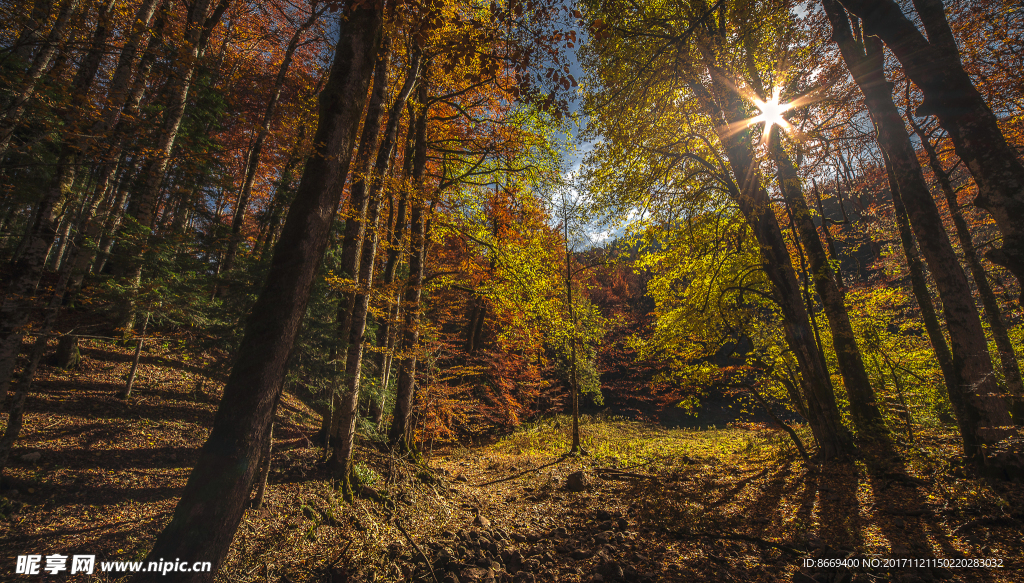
x=855, y=376
x=919, y=285
x=993, y=312
x=217, y=491
x=978, y=402
x=934, y=65
x=749, y=194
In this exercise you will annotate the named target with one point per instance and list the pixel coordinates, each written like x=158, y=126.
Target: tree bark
x=919, y=284
x=574, y=386
x=398, y=434
x=355, y=229
x=387, y=333
x=934, y=65
x=266, y=460
x=752, y=199
x=855, y=376
x=202, y=18
x=342, y=461
x=361, y=304
x=993, y=312
x=978, y=402
x=218, y=488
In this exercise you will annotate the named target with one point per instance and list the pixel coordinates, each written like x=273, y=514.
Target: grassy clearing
x=624, y=443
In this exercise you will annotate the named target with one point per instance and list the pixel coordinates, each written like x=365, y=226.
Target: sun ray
x=772, y=112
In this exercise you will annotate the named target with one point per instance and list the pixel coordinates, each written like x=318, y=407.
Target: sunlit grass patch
x=629, y=443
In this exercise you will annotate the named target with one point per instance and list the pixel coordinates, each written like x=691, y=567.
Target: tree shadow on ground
x=102, y=355
x=887, y=522
x=169, y=457
x=112, y=408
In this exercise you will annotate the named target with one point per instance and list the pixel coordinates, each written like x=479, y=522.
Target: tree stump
x=68, y=356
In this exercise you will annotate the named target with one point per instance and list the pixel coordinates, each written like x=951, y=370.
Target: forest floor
x=652, y=504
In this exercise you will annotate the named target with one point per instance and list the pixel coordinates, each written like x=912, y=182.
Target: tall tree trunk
x=342, y=461
x=361, y=304
x=752, y=199
x=355, y=228
x=124, y=100
x=12, y=117
x=387, y=334
x=855, y=376
x=574, y=385
x=934, y=65
x=17, y=306
x=398, y=435
x=919, y=285
x=31, y=37
x=202, y=19
x=217, y=490
x=253, y=160
x=978, y=402
x=1007, y=355
x=830, y=242
x=110, y=226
